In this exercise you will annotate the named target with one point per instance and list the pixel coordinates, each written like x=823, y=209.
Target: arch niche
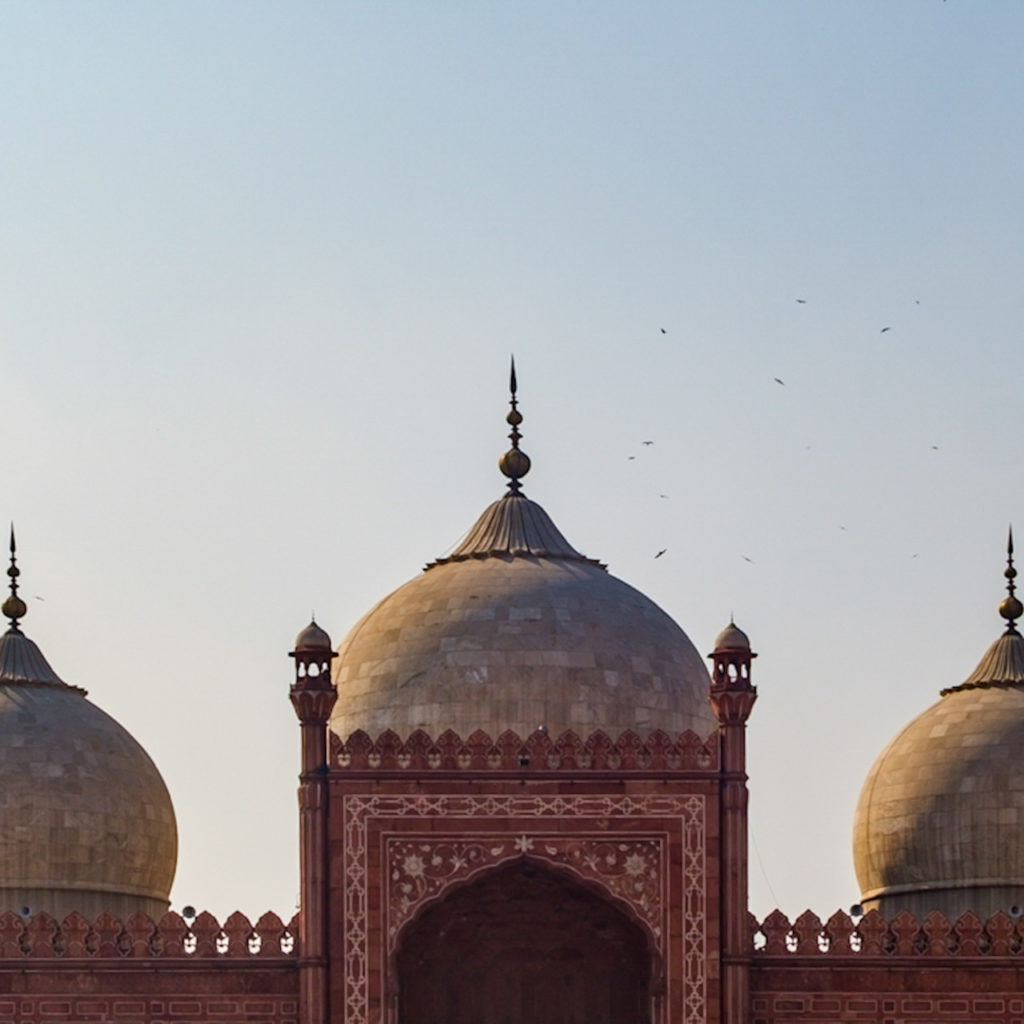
x=523, y=944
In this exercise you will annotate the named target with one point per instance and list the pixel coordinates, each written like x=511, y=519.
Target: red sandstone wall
x=896, y=972
x=145, y=972
x=150, y=994
x=888, y=993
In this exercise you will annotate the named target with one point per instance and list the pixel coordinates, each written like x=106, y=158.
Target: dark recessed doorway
x=523, y=944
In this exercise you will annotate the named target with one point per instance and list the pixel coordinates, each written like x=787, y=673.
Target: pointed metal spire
x=14, y=608
x=1003, y=663
x=1010, y=608
x=515, y=464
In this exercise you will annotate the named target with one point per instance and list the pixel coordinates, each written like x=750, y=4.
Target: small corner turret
x=313, y=694
x=732, y=693
x=732, y=698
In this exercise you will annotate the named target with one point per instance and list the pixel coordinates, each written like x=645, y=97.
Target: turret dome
x=313, y=638
x=732, y=638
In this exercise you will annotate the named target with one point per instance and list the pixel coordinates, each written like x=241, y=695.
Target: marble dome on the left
x=86, y=822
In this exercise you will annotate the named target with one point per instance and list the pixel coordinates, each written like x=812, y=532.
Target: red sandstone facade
x=481, y=880
x=625, y=832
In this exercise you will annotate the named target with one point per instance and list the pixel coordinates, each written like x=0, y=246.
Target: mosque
x=522, y=800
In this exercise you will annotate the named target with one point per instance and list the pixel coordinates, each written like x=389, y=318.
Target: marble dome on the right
x=940, y=820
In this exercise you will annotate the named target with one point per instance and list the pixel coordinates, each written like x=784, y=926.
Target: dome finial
x=515, y=464
x=1010, y=608
x=14, y=608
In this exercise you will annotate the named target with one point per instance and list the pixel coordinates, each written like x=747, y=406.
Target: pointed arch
x=525, y=939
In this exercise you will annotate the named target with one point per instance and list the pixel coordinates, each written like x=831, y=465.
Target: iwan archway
x=523, y=944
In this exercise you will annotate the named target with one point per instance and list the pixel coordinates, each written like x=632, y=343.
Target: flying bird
x=661, y=552
x=662, y=495
x=630, y=458
x=745, y=559
x=884, y=329
x=778, y=380
x=663, y=331
x=803, y=302
x=935, y=447
x=647, y=442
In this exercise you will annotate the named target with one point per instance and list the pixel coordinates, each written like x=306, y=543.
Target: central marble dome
x=516, y=629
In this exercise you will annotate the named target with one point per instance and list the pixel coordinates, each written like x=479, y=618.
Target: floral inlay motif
x=422, y=867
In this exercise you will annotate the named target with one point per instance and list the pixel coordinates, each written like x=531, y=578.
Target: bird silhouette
x=661, y=552
x=630, y=458
x=663, y=331
x=803, y=302
x=647, y=442
x=884, y=329
x=662, y=495
x=745, y=559
x=779, y=380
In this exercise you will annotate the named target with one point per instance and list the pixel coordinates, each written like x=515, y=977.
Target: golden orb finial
x=515, y=464
x=1010, y=607
x=13, y=608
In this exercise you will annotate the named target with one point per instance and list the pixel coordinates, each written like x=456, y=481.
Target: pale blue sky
x=262, y=268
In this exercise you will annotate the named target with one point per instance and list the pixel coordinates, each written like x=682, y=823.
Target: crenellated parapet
x=904, y=936
x=42, y=937
x=538, y=752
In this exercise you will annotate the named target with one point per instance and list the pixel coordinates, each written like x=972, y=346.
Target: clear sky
x=262, y=267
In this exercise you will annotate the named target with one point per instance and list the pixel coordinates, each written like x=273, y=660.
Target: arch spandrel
x=567, y=860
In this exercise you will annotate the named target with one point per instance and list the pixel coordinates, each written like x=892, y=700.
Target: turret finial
x=14, y=608
x=515, y=464
x=1010, y=608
